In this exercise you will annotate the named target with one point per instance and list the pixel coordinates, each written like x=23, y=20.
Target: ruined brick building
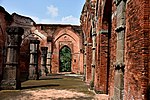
x=117, y=47
x=30, y=50
x=110, y=48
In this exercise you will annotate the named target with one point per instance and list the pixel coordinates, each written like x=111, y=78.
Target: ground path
x=52, y=87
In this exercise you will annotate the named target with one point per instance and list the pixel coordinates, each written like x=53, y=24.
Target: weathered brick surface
x=64, y=35
x=101, y=74
x=61, y=35
x=113, y=47
x=88, y=65
x=89, y=60
x=5, y=20
x=101, y=67
x=136, y=50
x=103, y=62
x=87, y=31
x=26, y=23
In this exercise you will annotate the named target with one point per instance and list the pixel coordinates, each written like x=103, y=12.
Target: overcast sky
x=47, y=11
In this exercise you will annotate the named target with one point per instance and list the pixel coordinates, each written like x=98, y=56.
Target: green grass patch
x=63, y=83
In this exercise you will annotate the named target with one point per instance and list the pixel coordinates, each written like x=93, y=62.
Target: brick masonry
x=64, y=35
x=135, y=51
x=136, y=83
x=52, y=36
x=5, y=20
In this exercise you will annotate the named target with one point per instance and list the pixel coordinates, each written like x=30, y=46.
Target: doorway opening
x=65, y=59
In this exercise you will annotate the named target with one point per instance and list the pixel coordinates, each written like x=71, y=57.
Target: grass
x=11, y=94
x=67, y=83
x=50, y=82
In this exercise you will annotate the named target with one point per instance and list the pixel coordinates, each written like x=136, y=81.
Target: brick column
x=93, y=19
x=93, y=52
x=88, y=61
x=119, y=82
x=44, y=70
x=49, y=54
x=119, y=67
x=11, y=75
x=33, y=67
x=85, y=56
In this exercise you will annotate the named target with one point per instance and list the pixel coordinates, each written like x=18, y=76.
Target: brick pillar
x=44, y=70
x=85, y=56
x=88, y=61
x=93, y=52
x=119, y=67
x=49, y=54
x=102, y=67
x=11, y=75
x=119, y=82
x=33, y=67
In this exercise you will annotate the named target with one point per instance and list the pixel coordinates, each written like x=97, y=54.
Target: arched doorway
x=65, y=59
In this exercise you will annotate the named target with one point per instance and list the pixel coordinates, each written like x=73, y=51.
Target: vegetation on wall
x=65, y=59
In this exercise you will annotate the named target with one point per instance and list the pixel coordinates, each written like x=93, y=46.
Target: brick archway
x=67, y=37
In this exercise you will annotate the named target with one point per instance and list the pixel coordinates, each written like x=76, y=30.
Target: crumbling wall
x=5, y=20
x=137, y=49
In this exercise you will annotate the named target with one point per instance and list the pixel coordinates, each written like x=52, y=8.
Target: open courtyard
x=51, y=87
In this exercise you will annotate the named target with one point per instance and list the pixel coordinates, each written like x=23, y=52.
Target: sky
x=47, y=11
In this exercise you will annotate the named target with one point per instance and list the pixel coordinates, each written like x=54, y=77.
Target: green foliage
x=65, y=59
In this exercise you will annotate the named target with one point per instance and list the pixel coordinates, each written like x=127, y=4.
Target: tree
x=65, y=59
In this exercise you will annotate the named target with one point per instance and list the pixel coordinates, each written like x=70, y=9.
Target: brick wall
x=103, y=34
x=64, y=35
x=113, y=47
x=101, y=67
x=86, y=28
x=89, y=55
x=137, y=49
x=135, y=53
x=5, y=20
x=24, y=59
x=88, y=64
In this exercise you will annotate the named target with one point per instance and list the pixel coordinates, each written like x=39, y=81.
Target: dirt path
x=53, y=87
x=53, y=94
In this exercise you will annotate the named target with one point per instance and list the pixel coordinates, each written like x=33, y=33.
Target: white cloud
x=70, y=20
x=52, y=10
x=44, y=21
x=64, y=20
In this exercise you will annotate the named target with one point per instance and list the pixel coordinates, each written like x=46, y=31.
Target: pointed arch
x=32, y=34
x=63, y=35
x=67, y=32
